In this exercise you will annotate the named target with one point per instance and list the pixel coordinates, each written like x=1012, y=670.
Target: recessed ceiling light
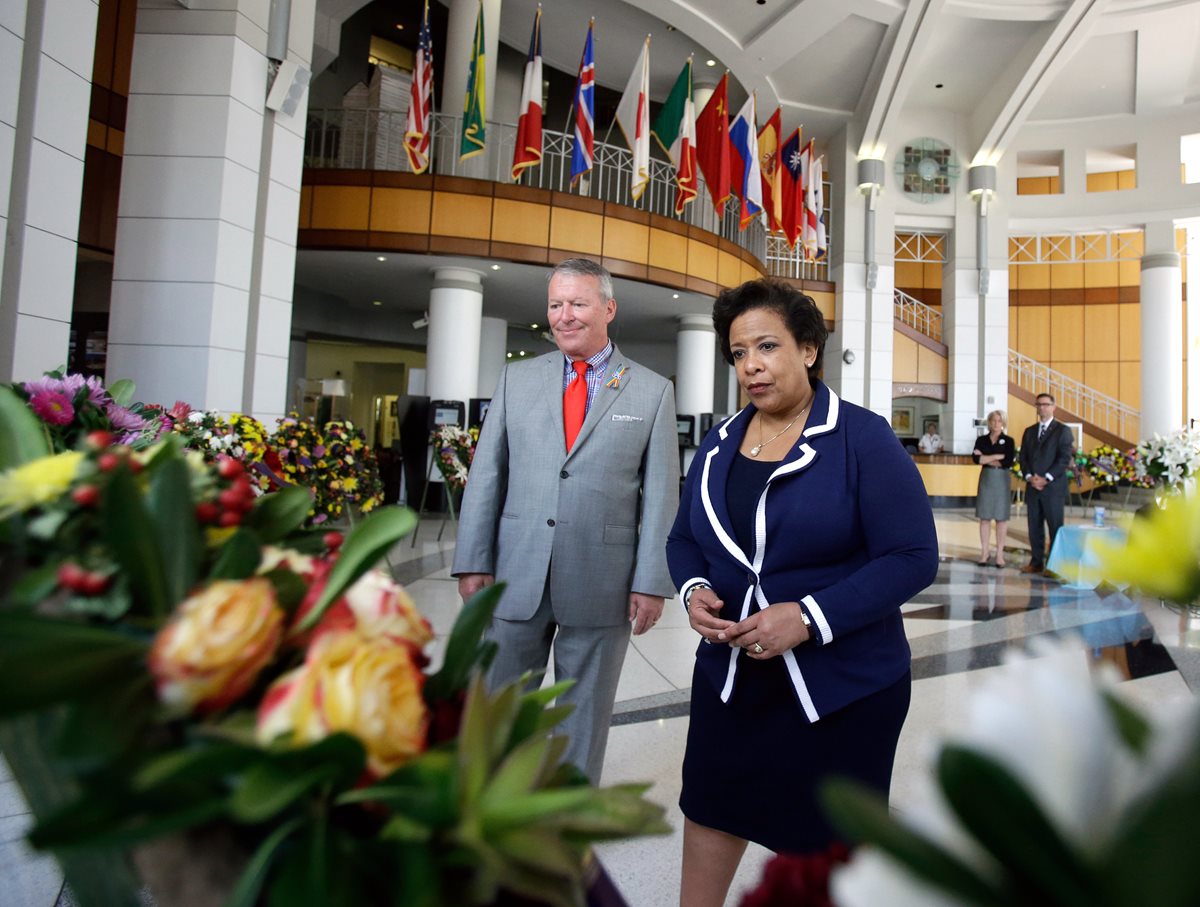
x=938, y=85
x=509, y=355
x=400, y=26
x=534, y=326
x=376, y=302
x=495, y=267
x=710, y=62
x=381, y=258
x=674, y=295
x=521, y=353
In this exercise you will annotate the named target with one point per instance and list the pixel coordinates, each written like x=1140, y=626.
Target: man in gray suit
x=572, y=510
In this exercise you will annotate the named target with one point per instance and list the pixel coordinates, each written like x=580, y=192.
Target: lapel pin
x=615, y=381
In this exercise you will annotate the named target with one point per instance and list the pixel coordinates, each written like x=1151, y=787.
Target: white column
x=1193, y=325
x=455, y=327
x=1162, y=342
x=205, y=253
x=46, y=53
x=493, y=349
x=695, y=364
x=460, y=37
x=961, y=329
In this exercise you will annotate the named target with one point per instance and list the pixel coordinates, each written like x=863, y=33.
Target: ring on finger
x=758, y=649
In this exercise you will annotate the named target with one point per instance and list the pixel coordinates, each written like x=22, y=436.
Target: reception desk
x=950, y=479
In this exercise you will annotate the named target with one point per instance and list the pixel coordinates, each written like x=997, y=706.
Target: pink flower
x=53, y=407
x=122, y=419
x=179, y=411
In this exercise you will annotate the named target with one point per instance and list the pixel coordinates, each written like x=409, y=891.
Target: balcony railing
x=1088, y=404
x=918, y=315
x=373, y=139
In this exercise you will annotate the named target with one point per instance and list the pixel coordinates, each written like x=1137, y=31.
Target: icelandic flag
x=585, y=111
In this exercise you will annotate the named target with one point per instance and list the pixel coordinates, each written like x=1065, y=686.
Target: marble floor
x=958, y=629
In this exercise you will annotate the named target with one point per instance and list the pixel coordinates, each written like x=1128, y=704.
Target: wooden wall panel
x=461, y=215
x=1101, y=326
x=520, y=222
x=1035, y=277
x=933, y=275
x=668, y=251
x=340, y=207
x=931, y=368
x=1066, y=332
x=909, y=275
x=702, y=262
x=1130, y=332
x=577, y=231
x=1072, y=368
x=904, y=359
x=1104, y=377
x=826, y=302
x=1066, y=276
x=626, y=240
x=400, y=210
x=306, y=193
x=1130, y=273
x=1035, y=332
x=1131, y=384
x=1097, y=274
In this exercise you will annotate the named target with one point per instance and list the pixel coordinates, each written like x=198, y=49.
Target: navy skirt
x=754, y=766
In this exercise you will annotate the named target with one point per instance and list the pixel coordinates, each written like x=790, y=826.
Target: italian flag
x=675, y=130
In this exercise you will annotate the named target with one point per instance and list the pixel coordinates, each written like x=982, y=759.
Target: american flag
x=585, y=111
x=420, y=106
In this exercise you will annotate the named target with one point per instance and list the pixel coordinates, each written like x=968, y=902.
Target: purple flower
x=122, y=419
x=52, y=407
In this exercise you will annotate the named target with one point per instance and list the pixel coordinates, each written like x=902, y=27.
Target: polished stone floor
x=958, y=629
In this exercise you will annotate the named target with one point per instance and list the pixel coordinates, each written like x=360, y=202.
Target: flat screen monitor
x=686, y=428
x=445, y=412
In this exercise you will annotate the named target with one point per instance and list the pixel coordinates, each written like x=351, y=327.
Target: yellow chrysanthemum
x=38, y=482
x=1162, y=554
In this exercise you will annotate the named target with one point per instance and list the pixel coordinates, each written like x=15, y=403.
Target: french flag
x=528, y=152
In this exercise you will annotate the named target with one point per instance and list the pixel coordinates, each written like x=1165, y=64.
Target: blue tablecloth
x=1076, y=554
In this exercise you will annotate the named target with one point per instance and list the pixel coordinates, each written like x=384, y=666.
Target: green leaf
x=196, y=763
x=1012, y=827
x=173, y=511
x=239, y=557
x=277, y=514
x=518, y=774
x=132, y=537
x=365, y=545
x=34, y=586
x=401, y=827
x=1150, y=859
x=290, y=589
x=272, y=786
x=1134, y=729
x=540, y=850
x=250, y=885
x=862, y=815
x=22, y=435
x=122, y=391
x=464, y=647
x=90, y=823
x=532, y=715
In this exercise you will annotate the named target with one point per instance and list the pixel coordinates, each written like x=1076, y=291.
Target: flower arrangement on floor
x=1055, y=792
x=455, y=448
x=181, y=657
x=1169, y=461
x=1110, y=467
x=69, y=406
x=347, y=472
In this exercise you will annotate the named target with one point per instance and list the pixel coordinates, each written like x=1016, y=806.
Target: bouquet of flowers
x=179, y=656
x=1161, y=556
x=1055, y=792
x=455, y=448
x=70, y=406
x=1168, y=461
x=347, y=471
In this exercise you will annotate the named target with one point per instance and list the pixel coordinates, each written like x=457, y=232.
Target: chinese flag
x=712, y=144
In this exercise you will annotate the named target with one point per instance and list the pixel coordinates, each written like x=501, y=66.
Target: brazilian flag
x=473, y=137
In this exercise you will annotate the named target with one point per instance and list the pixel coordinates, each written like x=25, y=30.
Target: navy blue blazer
x=844, y=527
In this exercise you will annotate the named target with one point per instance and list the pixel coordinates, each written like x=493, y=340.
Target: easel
x=425, y=495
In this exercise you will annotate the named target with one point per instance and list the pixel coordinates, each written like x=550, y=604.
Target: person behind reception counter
x=931, y=441
x=993, y=501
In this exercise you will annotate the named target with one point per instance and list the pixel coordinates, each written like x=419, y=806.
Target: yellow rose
x=216, y=644
x=37, y=482
x=382, y=607
x=370, y=688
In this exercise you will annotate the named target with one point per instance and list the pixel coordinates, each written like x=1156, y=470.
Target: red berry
x=207, y=512
x=107, y=462
x=71, y=576
x=230, y=518
x=86, y=495
x=333, y=540
x=134, y=464
x=232, y=499
x=229, y=468
x=98, y=440
x=94, y=583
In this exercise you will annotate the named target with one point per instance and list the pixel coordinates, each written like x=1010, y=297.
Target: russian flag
x=743, y=162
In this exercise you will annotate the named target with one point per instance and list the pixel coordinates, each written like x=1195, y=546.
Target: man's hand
x=470, y=583
x=644, y=611
x=1038, y=482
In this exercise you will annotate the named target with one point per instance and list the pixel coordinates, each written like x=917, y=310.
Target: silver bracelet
x=687, y=599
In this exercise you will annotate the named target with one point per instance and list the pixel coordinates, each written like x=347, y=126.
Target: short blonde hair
x=1003, y=417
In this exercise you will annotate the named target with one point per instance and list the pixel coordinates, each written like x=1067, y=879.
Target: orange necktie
x=575, y=404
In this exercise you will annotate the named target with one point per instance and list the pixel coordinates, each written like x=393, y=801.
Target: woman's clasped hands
x=764, y=634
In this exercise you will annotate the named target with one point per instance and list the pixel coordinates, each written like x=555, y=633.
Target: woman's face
x=995, y=425
x=770, y=365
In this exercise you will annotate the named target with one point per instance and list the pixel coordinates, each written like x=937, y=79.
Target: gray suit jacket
x=596, y=518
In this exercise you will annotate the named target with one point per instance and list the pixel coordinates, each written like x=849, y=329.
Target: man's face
x=1045, y=409
x=579, y=315
x=929, y=429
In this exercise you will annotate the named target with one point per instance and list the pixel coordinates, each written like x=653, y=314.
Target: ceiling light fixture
x=710, y=62
x=674, y=295
x=495, y=267
x=534, y=326
x=381, y=258
x=376, y=302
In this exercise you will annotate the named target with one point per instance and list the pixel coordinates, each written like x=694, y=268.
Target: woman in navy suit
x=803, y=528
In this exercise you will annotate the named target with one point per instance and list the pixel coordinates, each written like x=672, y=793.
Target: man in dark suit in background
x=1046, y=451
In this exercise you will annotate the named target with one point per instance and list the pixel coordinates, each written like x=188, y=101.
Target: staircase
x=1103, y=417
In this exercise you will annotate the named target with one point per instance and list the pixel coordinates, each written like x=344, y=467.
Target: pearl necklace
x=756, y=450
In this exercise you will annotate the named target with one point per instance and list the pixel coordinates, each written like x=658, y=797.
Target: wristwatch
x=807, y=622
